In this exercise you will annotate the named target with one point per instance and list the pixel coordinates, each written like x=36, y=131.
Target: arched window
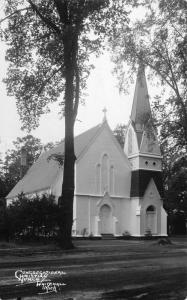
x=98, y=178
x=130, y=141
x=111, y=179
x=104, y=173
x=150, y=208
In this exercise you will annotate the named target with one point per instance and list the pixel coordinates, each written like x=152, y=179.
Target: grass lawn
x=101, y=269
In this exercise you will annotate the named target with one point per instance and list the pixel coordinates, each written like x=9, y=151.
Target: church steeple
x=141, y=144
x=141, y=109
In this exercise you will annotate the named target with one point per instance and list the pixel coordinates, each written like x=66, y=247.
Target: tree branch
x=175, y=87
x=42, y=37
x=14, y=13
x=146, y=62
x=182, y=104
x=170, y=18
x=47, y=21
x=166, y=61
x=47, y=80
x=62, y=11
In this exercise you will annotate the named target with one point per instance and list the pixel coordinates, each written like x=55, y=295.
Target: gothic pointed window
x=104, y=173
x=98, y=179
x=111, y=179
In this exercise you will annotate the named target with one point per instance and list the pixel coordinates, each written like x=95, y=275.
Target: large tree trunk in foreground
x=66, y=199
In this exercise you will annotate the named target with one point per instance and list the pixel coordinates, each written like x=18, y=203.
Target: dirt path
x=106, y=270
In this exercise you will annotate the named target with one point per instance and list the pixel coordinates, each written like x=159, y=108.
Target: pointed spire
x=141, y=109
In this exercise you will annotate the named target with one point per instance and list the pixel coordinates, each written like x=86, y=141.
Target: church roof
x=43, y=173
x=141, y=107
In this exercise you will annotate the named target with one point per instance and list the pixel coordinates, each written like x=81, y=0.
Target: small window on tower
x=154, y=163
x=146, y=163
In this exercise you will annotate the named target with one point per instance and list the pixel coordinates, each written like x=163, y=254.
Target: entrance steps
x=107, y=236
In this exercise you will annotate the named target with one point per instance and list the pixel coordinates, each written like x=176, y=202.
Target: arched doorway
x=105, y=219
x=151, y=223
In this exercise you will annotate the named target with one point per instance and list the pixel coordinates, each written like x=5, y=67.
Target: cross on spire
x=104, y=111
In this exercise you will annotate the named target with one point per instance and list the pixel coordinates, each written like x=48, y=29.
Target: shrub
x=32, y=219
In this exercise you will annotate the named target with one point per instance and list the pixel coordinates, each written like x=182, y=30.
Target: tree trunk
x=66, y=199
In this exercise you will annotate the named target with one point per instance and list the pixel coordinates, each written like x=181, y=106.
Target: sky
x=102, y=92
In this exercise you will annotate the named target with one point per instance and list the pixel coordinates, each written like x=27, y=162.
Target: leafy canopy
x=11, y=164
x=119, y=133
x=37, y=32
x=159, y=41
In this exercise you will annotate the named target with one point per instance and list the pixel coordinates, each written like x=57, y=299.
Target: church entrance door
x=106, y=219
x=151, y=219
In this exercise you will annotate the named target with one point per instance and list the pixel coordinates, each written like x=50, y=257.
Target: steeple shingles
x=141, y=110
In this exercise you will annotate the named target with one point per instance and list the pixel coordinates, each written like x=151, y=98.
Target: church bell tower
x=143, y=151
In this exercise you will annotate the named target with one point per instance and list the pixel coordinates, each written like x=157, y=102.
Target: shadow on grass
x=156, y=292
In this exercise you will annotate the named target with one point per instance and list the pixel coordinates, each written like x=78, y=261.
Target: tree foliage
x=11, y=167
x=159, y=41
x=3, y=188
x=176, y=186
x=119, y=133
x=173, y=163
x=38, y=33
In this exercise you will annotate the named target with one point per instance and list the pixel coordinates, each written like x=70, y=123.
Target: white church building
x=116, y=190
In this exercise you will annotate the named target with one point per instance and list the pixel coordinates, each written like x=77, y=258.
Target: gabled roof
x=43, y=172
x=141, y=106
x=105, y=126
